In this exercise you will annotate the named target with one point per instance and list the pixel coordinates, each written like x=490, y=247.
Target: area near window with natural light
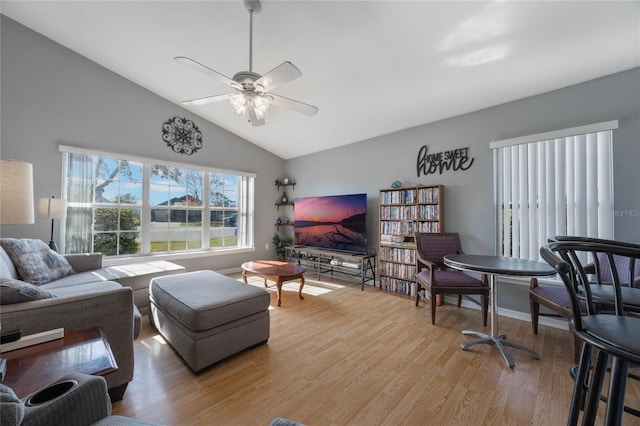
x=121, y=206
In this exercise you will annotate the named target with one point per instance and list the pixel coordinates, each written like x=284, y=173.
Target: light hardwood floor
x=346, y=357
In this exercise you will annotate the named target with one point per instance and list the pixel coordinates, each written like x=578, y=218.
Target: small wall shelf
x=290, y=203
x=284, y=185
x=284, y=223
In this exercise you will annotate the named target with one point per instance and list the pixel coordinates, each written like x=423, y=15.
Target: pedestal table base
x=499, y=342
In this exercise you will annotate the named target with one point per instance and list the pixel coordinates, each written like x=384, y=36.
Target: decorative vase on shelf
x=284, y=199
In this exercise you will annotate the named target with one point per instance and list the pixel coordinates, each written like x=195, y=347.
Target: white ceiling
x=371, y=67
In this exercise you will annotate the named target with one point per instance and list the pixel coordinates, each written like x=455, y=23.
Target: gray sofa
x=90, y=296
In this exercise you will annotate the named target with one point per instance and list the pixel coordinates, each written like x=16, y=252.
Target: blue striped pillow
x=35, y=262
x=15, y=291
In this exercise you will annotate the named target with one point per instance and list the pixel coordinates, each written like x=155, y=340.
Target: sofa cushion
x=95, y=276
x=7, y=270
x=35, y=262
x=15, y=291
x=87, y=288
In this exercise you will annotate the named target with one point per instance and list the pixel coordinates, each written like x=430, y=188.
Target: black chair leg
x=617, y=387
x=579, y=387
x=595, y=389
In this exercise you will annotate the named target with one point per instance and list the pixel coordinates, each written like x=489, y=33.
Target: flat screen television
x=335, y=222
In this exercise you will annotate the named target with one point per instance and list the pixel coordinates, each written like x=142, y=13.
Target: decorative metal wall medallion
x=182, y=135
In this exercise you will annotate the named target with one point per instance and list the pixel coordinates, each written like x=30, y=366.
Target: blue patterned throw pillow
x=35, y=262
x=14, y=291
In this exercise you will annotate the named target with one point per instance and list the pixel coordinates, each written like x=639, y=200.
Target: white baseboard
x=560, y=323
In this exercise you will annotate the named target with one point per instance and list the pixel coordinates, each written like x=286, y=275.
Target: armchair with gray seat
x=434, y=277
x=75, y=400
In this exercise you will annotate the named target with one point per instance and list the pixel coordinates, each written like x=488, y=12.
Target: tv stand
x=332, y=263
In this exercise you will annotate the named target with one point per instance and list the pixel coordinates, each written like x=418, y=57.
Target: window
x=125, y=206
x=557, y=183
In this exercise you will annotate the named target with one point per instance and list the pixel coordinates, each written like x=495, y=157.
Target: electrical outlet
x=266, y=246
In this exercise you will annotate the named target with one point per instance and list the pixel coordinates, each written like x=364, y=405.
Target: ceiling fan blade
x=294, y=105
x=207, y=99
x=281, y=74
x=206, y=70
x=255, y=121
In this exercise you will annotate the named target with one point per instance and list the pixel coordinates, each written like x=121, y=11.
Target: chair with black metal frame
x=556, y=298
x=605, y=328
x=435, y=277
x=629, y=274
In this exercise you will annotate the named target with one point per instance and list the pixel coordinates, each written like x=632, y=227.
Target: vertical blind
x=556, y=183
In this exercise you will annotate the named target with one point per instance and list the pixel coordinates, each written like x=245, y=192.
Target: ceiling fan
x=253, y=95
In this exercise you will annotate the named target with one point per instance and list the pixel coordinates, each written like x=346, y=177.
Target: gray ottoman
x=207, y=316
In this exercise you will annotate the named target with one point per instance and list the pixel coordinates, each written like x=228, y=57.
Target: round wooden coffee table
x=275, y=271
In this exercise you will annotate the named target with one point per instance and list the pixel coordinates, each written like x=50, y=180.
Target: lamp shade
x=16, y=192
x=52, y=208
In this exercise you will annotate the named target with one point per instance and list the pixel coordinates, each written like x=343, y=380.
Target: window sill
x=123, y=260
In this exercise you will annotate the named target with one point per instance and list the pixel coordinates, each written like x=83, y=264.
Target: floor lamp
x=52, y=208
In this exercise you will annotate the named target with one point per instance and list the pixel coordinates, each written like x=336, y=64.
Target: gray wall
x=372, y=164
x=53, y=96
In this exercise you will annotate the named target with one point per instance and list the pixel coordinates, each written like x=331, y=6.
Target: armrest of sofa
x=86, y=403
x=82, y=262
x=111, y=309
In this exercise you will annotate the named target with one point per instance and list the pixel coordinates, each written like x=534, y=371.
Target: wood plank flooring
x=346, y=357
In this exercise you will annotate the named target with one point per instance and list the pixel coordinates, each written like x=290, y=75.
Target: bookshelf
x=404, y=211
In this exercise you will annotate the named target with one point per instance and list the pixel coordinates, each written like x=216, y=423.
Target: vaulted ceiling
x=371, y=67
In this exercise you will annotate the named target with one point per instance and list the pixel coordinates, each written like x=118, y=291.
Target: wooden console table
x=329, y=262
x=33, y=367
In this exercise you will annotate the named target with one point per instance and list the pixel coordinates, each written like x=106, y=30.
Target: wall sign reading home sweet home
x=456, y=159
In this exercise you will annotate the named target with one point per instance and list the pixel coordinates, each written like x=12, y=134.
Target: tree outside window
x=106, y=207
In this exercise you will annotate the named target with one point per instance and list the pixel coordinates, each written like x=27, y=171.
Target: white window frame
x=246, y=203
x=570, y=190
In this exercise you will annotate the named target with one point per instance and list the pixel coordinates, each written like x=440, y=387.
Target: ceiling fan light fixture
x=254, y=96
x=238, y=103
x=260, y=106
